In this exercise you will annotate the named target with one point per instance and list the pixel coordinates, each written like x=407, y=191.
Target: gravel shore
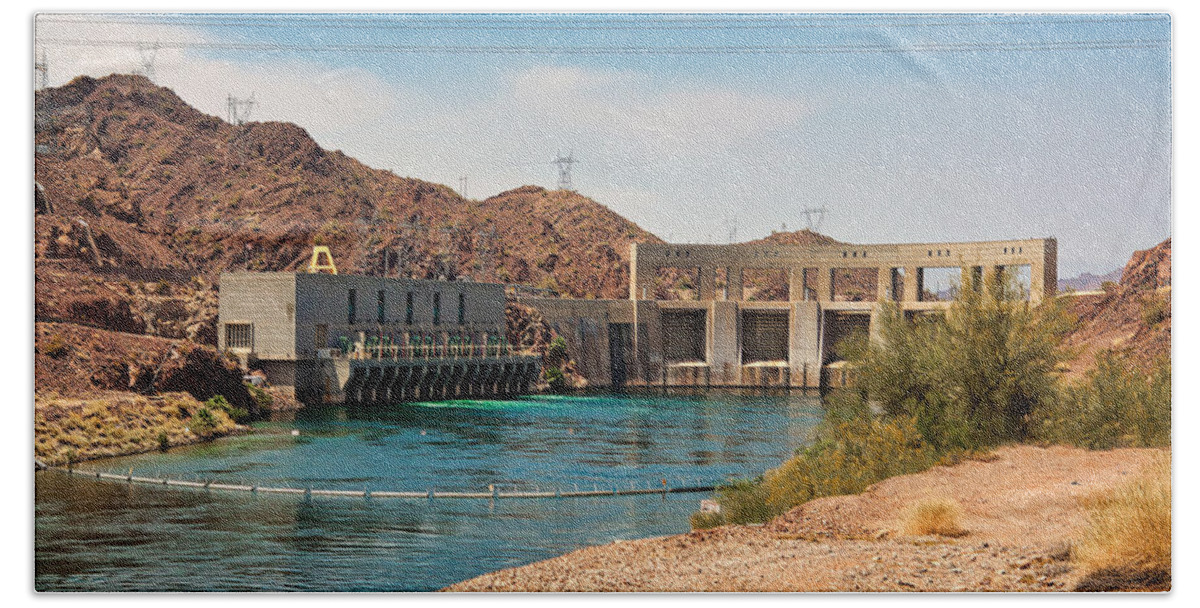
x=1021, y=509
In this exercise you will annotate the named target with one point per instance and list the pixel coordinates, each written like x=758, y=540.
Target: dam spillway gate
x=385, y=375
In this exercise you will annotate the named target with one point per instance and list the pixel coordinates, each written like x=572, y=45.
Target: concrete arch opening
x=840, y=328
x=765, y=335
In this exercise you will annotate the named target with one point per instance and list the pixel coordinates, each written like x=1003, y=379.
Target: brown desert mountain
x=162, y=185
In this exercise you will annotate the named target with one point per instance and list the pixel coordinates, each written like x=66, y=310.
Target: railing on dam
x=422, y=352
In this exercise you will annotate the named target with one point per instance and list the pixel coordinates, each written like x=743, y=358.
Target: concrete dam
x=746, y=315
x=754, y=315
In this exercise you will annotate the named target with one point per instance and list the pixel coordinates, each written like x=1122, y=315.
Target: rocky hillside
x=1132, y=316
x=133, y=176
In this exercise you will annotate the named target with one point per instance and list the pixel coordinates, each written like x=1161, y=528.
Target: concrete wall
x=285, y=308
x=323, y=299
x=645, y=258
x=265, y=300
x=807, y=309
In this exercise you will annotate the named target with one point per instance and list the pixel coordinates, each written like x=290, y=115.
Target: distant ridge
x=163, y=185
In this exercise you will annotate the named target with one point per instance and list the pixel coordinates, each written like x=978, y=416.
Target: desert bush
x=56, y=347
x=1154, y=310
x=1129, y=527
x=704, y=520
x=262, y=399
x=1117, y=405
x=556, y=379
x=848, y=455
x=969, y=378
x=203, y=422
x=218, y=402
x=940, y=516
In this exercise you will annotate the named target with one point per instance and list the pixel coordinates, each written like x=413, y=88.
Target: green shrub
x=1117, y=405
x=164, y=442
x=969, y=378
x=203, y=422
x=555, y=378
x=218, y=402
x=702, y=520
x=846, y=458
x=262, y=398
x=849, y=454
x=556, y=352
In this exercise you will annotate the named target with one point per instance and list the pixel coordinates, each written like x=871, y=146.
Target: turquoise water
x=104, y=536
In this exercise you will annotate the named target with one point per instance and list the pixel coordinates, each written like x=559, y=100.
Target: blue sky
x=908, y=127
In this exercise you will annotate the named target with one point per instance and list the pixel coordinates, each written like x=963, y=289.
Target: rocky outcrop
x=1132, y=317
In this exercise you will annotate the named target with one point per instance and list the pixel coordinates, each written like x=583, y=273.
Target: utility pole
x=486, y=240
x=564, y=170
x=238, y=110
x=448, y=261
x=42, y=68
x=408, y=232
x=731, y=225
x=147, y=53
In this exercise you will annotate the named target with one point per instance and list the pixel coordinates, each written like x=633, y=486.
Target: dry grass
x=1130, y=527
x=940, y=516
x=114, y=424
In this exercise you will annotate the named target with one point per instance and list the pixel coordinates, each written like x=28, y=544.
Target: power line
x=638, y=23
x=826, y=49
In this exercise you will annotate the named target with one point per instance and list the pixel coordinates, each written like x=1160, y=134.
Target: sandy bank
x=1020, y=509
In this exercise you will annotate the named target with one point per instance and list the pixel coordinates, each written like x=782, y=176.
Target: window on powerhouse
x=238, y=335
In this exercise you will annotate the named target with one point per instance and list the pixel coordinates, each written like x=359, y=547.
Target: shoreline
x=72, y=430
x=1021, y=512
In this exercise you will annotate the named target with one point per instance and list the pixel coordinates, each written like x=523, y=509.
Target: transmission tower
x=731, y=226
x=486, y=240
x=42, y=68
x=447, y=258
x=409, y=231
x=147, y=53
x=819, y=213
x=462, y=186
x=238, y=110
x=564, y=170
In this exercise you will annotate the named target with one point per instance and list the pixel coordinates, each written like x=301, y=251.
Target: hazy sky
x=913, y=127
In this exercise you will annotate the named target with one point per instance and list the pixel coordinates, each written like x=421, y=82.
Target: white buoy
x=422, y=433
x=295, y=432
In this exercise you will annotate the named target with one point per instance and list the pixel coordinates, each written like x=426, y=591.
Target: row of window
x=381, y=307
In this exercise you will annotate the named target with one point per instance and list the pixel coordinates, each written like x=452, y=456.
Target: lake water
x=96, y=535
